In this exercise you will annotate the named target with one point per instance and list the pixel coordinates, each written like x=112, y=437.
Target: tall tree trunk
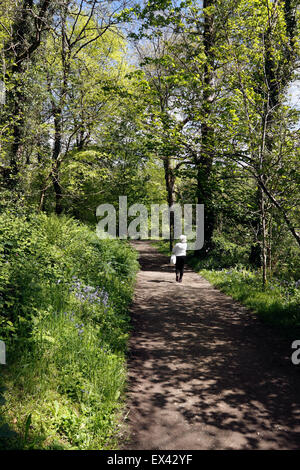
x=58, y=115
x=56, y=162
x=27, y=29
x=205, y=161
x=170, y=183
x=255, y=256
x=263, y=237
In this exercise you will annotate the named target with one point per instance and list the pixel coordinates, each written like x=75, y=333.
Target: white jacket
x=180, y=249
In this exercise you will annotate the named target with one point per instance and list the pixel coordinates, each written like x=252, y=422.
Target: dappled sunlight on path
x=204, y=373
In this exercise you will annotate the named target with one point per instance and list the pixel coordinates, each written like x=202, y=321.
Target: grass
x=63, y=386
x=69, y=384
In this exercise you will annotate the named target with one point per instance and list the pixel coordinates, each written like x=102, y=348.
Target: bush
x=64, y=296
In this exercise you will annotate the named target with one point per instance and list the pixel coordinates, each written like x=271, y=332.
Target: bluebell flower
x=89, y=293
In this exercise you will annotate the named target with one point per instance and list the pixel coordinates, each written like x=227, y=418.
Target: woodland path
x=204, y=372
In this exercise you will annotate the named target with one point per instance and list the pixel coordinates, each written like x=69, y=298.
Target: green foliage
x=64, y=318
x=224, y=254
x=201, y=110
x=277, y=304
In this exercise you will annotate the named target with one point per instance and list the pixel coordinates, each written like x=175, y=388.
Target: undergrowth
x=63, y=296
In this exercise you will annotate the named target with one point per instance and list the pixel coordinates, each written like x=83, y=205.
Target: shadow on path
x=204, y=373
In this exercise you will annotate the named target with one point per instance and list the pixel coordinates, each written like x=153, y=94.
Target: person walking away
x=179, y=251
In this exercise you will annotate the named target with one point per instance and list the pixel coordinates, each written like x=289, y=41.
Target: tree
x=260, y=73
x=82, y=52
x=25, y=28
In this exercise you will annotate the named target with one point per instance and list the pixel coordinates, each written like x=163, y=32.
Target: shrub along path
x=204, y=373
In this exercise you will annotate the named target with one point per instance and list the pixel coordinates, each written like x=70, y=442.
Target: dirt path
x=203, y=372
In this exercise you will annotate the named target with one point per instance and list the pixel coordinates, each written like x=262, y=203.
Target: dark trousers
x=179, y=266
